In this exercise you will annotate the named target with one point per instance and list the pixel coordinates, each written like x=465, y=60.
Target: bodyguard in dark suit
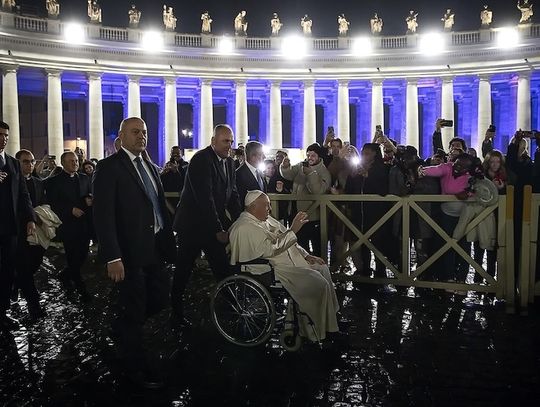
x=201, y=219
x=135, y=239
x=29, y=257
x=248, y=175
x=70, y=195
x=14, y=204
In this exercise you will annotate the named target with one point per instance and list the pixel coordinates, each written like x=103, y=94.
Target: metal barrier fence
x=528, y=287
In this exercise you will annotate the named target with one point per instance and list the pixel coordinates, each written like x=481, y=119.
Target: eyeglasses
x=29, y=162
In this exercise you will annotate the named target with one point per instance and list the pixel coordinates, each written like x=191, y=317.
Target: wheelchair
x=247, y=306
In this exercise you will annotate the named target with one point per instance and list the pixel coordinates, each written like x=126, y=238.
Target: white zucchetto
x=251, y=196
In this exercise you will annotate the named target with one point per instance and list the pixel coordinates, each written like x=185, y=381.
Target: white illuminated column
x=447, y=109
x=411, y=129
x=10, y=108
x=134, y=96
x=95, y=116
x=206, y=114
x=484, y=112
x=275, y=127
x=309, y=135
x=377, y=105
x=343, y=112
x=523, y=117
x=171, y=116
x=241, y=112
x=55, y=126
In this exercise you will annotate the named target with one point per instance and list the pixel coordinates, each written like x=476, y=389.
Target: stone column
x=377, y=105
x=343, y=111
x=10, y=107
x=171, y=116
x=134, y=96
x=523, y=117
x=484, y=112
x=412, y=133
x=447, y=109
x=241, y=112
x=206, y=114
x=275, y=126
x=55, y=125
x=309, y=134
x=95, y=117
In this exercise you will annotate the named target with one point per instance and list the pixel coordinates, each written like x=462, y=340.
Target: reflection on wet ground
x=411, y=348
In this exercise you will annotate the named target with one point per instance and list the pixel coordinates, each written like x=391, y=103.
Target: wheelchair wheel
x=290, y=341
x=243, y=311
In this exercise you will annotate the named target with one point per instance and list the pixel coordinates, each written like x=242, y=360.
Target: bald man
x=135, y=240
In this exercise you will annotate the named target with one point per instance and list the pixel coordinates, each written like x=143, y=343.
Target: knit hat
x=316, y=148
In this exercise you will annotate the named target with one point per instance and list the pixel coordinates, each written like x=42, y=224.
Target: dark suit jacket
x=38, y=195
x=207, y=194
x=124, y=215
x=18, y=202
x=63, y=198
x=245, y=181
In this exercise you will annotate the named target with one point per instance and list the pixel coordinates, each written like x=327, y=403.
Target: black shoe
x=8, y=323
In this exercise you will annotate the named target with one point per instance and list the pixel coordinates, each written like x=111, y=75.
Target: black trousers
x=76, y=247
x=27, y=263
x=311, y=232
x=143, y=293
x=189, y=249
x=8, y=245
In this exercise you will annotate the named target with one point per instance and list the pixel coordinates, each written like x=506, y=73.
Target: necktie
x=150, y=191
x=224, y=165
x=260, y=180
x=2, y=162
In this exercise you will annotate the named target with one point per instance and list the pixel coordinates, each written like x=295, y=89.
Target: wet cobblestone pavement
x=405, y=349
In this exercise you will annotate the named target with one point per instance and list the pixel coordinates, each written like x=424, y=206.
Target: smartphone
x=447, y=123
x=492, y=128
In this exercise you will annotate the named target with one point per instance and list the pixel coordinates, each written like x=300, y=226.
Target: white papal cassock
x=309, y=285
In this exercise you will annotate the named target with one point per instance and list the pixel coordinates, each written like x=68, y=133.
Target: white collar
x=130, y=154
x=251, y=168
x=3, y=154
x=218, y=157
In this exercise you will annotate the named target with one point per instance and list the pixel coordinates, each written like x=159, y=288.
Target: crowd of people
x=119, y=204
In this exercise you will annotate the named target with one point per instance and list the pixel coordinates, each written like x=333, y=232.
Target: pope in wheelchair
x=256, y=235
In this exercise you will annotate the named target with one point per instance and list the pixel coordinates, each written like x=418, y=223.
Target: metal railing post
x=509, y=275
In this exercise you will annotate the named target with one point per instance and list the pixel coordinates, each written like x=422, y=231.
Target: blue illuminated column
x=241, y=113
x=134, y=97
x=343, y=111
x=95, y=116
x=10, y=107
x=309, y=134
x=411, y=116
x=523, y=119
x=447, y=108
x=377, y=105
x=171, y=116
x=274, y=135
x=206, y=114
x=484, y=112
x=55, y=126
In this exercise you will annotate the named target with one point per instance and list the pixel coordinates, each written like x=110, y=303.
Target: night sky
x=323, y=13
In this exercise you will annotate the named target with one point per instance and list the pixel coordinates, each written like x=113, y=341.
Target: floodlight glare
x=74, y=33
x=355, y=161
x=431, y=44
x=507, y=37
x=226, y=45
x=362, y=46
x=266, y=149
x=261, y=167
x=294, y=47
x=152, y=41
x=184, y=132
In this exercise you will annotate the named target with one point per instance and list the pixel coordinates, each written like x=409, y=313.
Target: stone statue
x=526, y=9
x=343, y=25
x=169, y=20
x=276, y=25
x=376, y=24
x=486, y=16
x=134, y=17
x=53, y=8
x=206, y=27
x=448, y=20
x=412, y=24
x=240, y=24
x=306, y=25
x=8, y=5
x=94, y=12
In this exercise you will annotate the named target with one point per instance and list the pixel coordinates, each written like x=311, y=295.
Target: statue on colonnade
x=412, y=24
x=169, y=20
x=343, y=25
x=376, y=24
x=276, y=25
x=134, y=17
x=8, y=5
x=306, y=23
x=240, y=23
x=486, y=16
x=448, y=20
x=206, y=27
x=94, y=12
x=53, y=8
x=526, y=9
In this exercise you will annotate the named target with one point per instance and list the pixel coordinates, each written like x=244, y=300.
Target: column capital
x=170, y=80
x=412, y=81
x=53, y=72
x=240, y=82
x=134, y=78
x=378, y=81
x=343, y=82
x=94, y=75
x=308, y=82
x=448, y=79
x=524, y=74
x=275, y=82
x=484, y=77
x=207, y=82
x=9, y=68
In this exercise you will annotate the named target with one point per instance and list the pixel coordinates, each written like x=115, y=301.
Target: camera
x=492, y=128
x=446, y=123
